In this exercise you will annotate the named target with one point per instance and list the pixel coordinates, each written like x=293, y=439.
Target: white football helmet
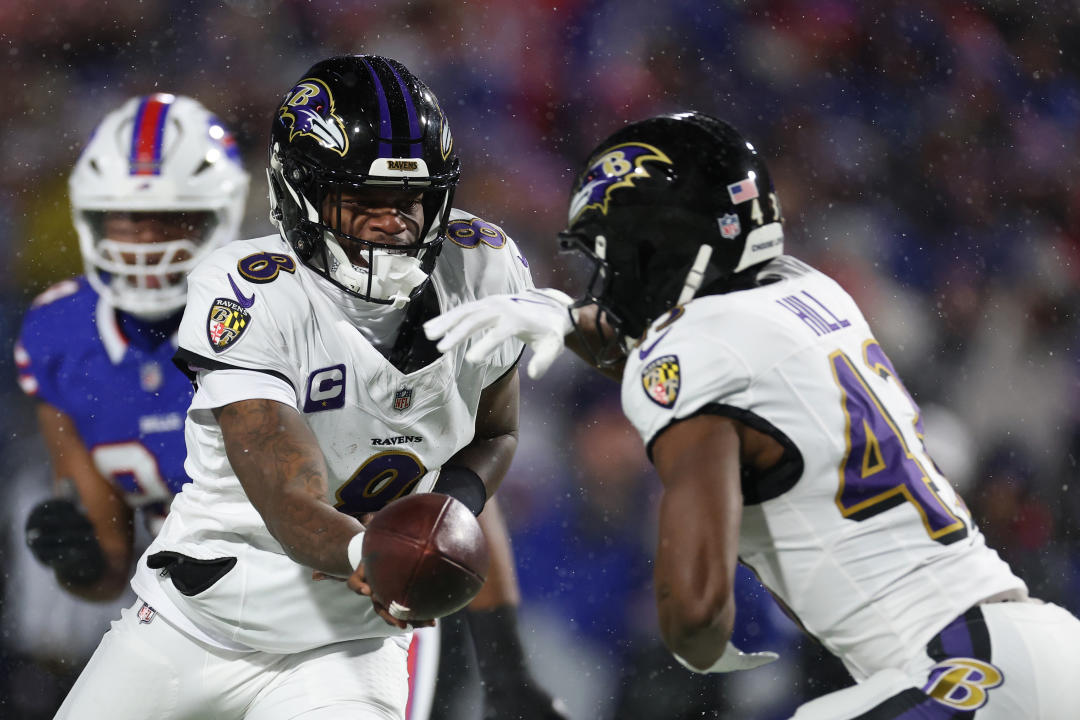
x=154, y=156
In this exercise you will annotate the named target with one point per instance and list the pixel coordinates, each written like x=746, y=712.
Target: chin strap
x=696, y=274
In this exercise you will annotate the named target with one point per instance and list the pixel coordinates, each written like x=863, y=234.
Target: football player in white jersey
x=784, y=439
x=318, y=400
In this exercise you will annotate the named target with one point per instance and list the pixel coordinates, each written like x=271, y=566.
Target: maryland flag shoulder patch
x=660, y=380
x=225, y=324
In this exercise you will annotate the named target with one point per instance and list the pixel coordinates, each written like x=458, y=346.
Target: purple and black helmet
x=667, y=209
x=358, y=121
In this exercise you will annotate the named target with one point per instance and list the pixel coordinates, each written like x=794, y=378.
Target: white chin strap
x=393, y=275
x=696, y=274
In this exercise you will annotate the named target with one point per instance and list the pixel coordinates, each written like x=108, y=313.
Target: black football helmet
x=359, y=121
x=668, y=209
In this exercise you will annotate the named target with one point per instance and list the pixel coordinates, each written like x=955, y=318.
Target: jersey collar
x=115, y=343
x=112, y=337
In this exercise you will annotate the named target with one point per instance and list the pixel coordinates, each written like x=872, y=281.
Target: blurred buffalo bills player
x=318, y=400
x=158, y=187
x=784, y=439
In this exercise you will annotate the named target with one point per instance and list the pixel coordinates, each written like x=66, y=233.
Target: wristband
x=356, y=549
x=462, y=483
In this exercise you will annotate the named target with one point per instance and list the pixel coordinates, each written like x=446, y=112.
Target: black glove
x=510, y=693
x=61, y=537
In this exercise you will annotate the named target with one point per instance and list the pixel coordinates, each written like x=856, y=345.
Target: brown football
x=424, y=556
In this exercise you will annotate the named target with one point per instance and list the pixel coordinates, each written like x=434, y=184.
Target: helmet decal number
x=264, y=267
x=308, y=111
x=619, y=166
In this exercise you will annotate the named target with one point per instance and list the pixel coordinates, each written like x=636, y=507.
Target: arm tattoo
x=282, y=470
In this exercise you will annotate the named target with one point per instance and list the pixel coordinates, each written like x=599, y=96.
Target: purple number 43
x=879, y=470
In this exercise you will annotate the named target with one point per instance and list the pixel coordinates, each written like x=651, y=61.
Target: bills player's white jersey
x=856, y=530
x=254, y=306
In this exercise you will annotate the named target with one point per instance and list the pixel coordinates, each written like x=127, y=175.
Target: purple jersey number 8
x=383, y=477
x=879, y=470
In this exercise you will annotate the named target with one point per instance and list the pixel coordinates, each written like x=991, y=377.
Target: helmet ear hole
x=305, y=238
x=299, y=175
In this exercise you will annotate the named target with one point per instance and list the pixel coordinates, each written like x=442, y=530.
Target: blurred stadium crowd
x=926, y=155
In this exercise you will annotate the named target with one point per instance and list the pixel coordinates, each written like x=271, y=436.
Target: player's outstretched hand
x=358, y=584
x=524, y=701
x=732, y=660
x=61, y=536
x=540, y=318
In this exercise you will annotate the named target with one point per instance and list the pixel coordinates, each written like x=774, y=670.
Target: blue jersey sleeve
x=44, y=340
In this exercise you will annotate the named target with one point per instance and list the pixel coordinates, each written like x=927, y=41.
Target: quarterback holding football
x=318, y=400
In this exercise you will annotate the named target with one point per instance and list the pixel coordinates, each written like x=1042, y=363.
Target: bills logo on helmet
x=308, y=111
x=619, y=166
x=660, y=380
x=225, y=324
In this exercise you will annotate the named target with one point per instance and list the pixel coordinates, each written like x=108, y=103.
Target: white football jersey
x=855, y=530
x=253, y=305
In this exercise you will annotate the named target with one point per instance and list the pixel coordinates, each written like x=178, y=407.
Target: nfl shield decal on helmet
x=402, y=398
x=660, y=380
x=225, y=324
x=729, y=226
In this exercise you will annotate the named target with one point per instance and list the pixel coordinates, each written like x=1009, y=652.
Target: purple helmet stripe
x=415, y=149
x=386, y=129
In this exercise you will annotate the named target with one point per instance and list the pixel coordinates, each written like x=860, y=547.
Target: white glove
x=733, y=660
x=540, y=318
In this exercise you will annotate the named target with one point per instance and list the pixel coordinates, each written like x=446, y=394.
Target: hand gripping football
x=424, y=556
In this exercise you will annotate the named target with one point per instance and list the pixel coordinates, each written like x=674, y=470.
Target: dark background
x=925, y=154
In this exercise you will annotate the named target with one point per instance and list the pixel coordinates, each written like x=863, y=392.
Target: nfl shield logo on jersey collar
x=402, y=398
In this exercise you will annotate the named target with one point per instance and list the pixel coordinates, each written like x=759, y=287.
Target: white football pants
x=999, y=661
x=152, y=671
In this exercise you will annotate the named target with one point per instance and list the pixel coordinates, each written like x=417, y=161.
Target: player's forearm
x=493, y=445
x=699, y=633
x=312, y=533
x=488, y=457
x=590, y=336
x=282, y=470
